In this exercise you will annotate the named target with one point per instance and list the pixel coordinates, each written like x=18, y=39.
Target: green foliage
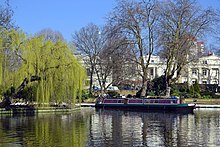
x=175, y=90
x=206, y=96
x=151, y=93
x=196, y=87
x=195, y=90
x=61, y=75
x=209, y=94
x=157, y=85
x=85, y=94
x=191, y=89
x=29, y=93
x=186, y=95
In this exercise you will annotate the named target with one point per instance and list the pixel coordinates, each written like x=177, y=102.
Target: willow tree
x=61, y=76
x=6, y=22
x=182, y=22
x=1, y=63
x=8, y=60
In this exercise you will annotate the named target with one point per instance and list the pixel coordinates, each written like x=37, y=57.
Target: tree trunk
x=168, y=91
x=16, y=93
x=91, y=80
x=144, y=88
x=167, y=88
x=102, y=91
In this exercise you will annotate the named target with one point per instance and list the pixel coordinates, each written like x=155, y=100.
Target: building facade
x=205, y=70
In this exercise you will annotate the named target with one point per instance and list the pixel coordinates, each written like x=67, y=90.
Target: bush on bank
x=156, y=87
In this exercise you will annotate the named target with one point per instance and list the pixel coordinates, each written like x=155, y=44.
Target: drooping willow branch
x=58, y=66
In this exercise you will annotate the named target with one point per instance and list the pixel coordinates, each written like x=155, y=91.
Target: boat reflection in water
x=91, y=127
x=129, y=128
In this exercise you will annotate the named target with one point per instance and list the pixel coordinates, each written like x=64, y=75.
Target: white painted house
x=205, y=70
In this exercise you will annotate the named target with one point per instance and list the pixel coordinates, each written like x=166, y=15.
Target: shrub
x=186, y=95
x=196, y=87
x=206, y=96
x=151, y=93
x=86, y=94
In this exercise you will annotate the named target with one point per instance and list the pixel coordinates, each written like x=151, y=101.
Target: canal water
x=111, y=128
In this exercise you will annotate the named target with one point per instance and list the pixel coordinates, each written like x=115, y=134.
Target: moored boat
x=173, y=104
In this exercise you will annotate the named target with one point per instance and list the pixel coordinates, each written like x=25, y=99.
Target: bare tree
x=182, y=22
x=216, y=37
x=51, y=35
x=111, y=58
x=100, y=46
x=138, y=21
x=6, y=14
x=89, y=42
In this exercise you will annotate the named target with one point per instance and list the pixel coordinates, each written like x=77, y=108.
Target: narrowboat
x=172, y=104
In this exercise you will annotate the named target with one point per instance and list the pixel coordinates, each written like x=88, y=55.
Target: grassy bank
x=203, y=101
x=89, y=100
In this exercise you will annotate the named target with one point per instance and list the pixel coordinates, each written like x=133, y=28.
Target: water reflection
x=44, y=130
x=126, y=128
x=112, y=128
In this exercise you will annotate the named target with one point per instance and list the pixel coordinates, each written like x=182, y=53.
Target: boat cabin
x=148, y=100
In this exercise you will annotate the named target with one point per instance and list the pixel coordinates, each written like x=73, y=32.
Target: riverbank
x=203, y=101
x=33, y=110
x=206, y=103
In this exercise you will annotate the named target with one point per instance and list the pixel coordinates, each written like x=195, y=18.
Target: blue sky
x=66, y=16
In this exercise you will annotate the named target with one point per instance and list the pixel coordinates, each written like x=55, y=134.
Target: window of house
x=193, y=82
x=204, y=72
x=152, y=61
x=194, y=71
x=215, y=82
x=215, y=72
x=151, y=72
x=204, y=62
x=204, y=82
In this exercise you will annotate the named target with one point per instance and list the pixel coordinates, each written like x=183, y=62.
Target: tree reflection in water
x=44, y=130
x=127, y=128
x=112, y=128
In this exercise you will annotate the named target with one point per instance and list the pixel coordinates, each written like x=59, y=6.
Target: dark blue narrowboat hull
x=150, y=107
